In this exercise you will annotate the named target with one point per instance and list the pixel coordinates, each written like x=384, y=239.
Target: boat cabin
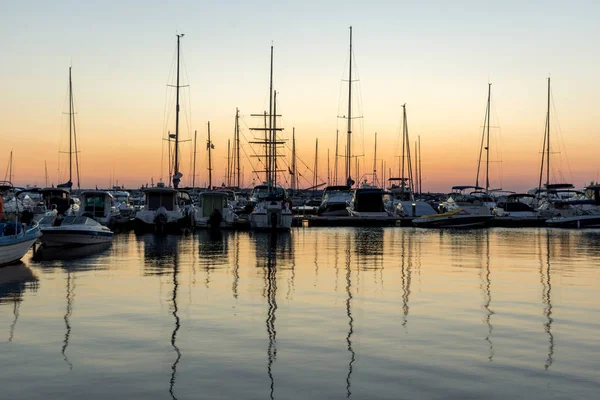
x=368, y=201
x=212, y=200
x=96, y=203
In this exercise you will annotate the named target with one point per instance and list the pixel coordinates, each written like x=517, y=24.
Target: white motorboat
x=367, y=202
x=16, y=238
x=213, y=210
x=582, y=213
x=457, y=218
x=98, y=205
x=72, y=231
x=123, y=204
x=166, y=210
x=272, y=209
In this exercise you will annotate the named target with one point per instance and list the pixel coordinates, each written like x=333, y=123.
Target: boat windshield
x=79, y=221
x=262, y=192
x=47, y=220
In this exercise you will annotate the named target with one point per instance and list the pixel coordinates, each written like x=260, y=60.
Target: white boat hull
x=271, y=220
x=58, y=238
x=11, y=253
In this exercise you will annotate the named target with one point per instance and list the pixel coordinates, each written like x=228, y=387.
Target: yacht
x=16, y=238
x=98, y=205
x=272, y=208
x=214, y=210
x=583, y=213
x=335, y=201
x=165, y=210
x=367, y=202
x=73, y=231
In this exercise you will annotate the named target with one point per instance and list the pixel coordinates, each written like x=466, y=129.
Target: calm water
x=317, y=313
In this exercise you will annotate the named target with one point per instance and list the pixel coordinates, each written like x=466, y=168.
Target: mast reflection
x=68, y=312
x=487, y=295
x=14, y=281
x=406, y=266
x=546, y=298
x=266, y=254
x=176, y=326
x=350, y=318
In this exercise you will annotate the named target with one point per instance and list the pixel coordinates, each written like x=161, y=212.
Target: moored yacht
x=98, y=205
x=583, y=213
x=214, y=211
x=166, y=210
x=368, y=202
x=73, y=231
x=272, y=208
x=335, y=201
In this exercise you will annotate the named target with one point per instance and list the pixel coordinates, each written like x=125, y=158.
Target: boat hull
x=581, y=221
x=270, y=220
x=172, y=227
x=58, y=238
x=453, y=221
x=12, y=252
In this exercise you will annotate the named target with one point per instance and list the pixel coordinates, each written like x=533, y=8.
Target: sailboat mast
x=349, y=138
x=273, y=141
x=46, y=168
x=487, y=147
x=176, y=177
x=237, y=146
x=375, y=161
x=209, y=146
x=194, y=167
x=269, y=145
x=403, y=146
x=316, y=164
x=10, y=167
x=420, y=170
x=294, y=183
x=548, y=141
x=70, y=129
x=328, y=173
x=335, y=164
x=228, y=177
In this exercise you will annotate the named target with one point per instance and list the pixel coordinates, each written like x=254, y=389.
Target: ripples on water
x=316, y=313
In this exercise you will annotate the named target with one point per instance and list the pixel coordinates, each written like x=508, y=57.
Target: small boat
x=335, y=202
x=272, y=208
x=98, y=205
x=166, y=210
x=214, y=211
x=72, y=231
x=16, y=238
x=367, y=202
x=456, y=218
x=582, y=213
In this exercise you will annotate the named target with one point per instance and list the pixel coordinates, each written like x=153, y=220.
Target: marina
x=339, y=200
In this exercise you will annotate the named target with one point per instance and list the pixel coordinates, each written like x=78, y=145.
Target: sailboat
x=403, y=200
x=337, y=198
x=167, y=209
x=272, y=208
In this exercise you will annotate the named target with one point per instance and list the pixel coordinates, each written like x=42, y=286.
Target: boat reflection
x=15, y=280
x=213, y=250
x=486, y=288
x=267, y=248
x=161, y=258
x=69, y=253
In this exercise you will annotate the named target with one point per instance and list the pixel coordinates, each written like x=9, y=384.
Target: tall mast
x=335, y=163
x=176, y=174
x=228, y=176
x=70, y=130
x=403, y=145
x=420, y=170
x=416, y=167
x=349, y=138
x=328, y=174
x=375, y=161
x=294, y=183
x=10, y=167
x=46, y=168
x=487, y=147
x=273, y=141
x=548, y=141
x=194, y=167
x=209, y=147
x=237, y=146
x=315, y=178
x=271, y=123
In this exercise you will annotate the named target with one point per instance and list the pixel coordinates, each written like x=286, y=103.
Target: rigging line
x=562, y=139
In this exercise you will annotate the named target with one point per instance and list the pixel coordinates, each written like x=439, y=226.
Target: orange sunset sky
x=437, y=57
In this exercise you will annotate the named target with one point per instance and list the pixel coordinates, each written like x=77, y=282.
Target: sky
x=436, y=57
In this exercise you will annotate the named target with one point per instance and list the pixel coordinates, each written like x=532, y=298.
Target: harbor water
x=330, y=313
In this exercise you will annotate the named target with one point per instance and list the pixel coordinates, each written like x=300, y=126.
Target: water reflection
x=69, y=253
x=15, y=280
x=266, y=258
x=350, y=317
x=546, y=295
x=487, y=295
x=161, y=257
x=213, y=251
x=70, y=294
